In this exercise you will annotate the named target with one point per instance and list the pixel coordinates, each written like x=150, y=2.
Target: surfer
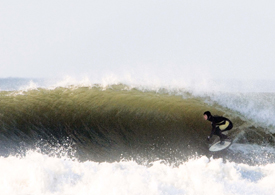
x=219, y=125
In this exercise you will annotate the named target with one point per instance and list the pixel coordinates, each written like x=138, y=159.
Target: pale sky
x=225, y=39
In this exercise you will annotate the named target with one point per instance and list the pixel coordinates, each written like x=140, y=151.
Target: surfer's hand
x=208, y=138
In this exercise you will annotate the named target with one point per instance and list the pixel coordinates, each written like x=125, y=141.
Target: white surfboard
x=218, y=146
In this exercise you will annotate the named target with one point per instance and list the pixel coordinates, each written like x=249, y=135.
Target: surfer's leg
x=218, y=132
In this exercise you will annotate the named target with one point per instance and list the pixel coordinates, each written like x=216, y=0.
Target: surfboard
x=218, y=146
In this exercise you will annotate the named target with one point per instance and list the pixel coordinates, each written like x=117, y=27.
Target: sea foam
x=40, y=174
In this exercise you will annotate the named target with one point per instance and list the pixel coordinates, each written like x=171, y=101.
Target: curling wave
x=114, y=123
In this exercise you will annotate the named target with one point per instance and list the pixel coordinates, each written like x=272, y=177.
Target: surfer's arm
x=213, y=130
x=211, y=134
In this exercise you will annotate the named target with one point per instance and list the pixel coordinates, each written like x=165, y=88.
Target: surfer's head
x=207, y=115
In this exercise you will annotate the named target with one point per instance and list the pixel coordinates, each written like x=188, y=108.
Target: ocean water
x=134, y=136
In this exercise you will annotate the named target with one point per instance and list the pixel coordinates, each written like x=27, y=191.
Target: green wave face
x=106, y=124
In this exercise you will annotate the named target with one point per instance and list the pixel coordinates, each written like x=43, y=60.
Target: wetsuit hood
x=209, y=115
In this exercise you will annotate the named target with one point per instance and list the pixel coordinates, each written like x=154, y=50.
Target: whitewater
x=125, y=136
x=41, y=174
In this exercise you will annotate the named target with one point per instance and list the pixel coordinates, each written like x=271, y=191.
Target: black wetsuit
x=219, y=125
